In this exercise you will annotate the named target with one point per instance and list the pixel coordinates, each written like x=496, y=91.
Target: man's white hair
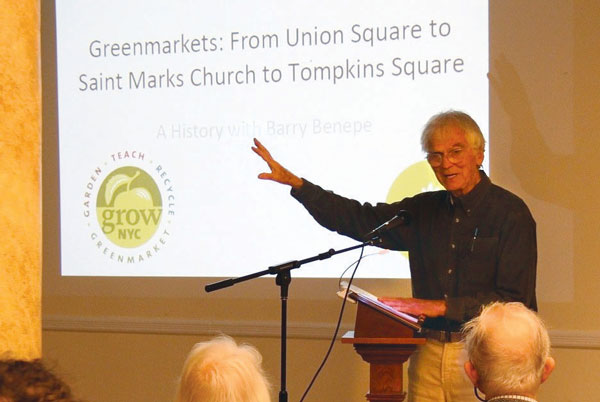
x=452, y=118
x=508, y=345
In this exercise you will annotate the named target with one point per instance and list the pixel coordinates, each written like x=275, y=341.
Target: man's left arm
x=514, y=278
x=416, y=307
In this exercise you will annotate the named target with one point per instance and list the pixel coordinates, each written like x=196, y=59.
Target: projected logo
x=129, y=204
x=129, y=207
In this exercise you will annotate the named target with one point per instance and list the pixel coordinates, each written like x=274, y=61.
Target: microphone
x=401, y=218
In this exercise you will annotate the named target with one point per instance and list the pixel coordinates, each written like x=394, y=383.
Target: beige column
x=20, y=197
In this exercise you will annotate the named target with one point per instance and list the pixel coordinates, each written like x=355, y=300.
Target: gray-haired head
x=453, y=118
x=220, y=370
x=509, y=348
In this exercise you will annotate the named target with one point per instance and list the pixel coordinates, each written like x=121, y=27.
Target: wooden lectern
x=384, y=338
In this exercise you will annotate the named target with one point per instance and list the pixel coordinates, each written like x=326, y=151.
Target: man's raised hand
x=278, y=172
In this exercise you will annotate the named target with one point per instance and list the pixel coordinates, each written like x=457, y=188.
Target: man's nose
x=446, y=161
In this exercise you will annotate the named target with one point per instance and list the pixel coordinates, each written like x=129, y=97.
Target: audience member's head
x=30, y=381
x=509, y=350
x=222, y=371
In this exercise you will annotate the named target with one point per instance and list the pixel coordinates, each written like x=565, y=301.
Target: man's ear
x=548, y=367
x=479, y=157
x=471, y=372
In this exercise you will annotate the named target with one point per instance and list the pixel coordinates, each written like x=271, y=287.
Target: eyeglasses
x=455, y=155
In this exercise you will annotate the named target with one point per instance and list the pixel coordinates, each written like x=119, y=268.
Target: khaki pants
x=436, y=374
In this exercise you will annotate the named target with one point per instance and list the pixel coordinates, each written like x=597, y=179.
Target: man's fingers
x=278, y=173
x=395, y=303
x=261, y=151
x=260, y=147
x=389, y=299
x=265, y=176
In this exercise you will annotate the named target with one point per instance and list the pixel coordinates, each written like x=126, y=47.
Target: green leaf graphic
x=115, y=182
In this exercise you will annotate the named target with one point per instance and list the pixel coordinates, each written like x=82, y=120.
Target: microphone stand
x=283, y=280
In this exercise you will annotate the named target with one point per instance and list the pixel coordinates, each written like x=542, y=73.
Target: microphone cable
x=337, y=327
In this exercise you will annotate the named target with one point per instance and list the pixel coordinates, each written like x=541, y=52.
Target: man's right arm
x=346, y=216
x=343, y=215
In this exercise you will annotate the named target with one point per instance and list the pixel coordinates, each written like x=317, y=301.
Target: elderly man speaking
x=469, y=245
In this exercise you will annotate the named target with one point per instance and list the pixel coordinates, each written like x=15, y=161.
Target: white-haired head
x=220, y=370
x=509, y=350
x=450, y=119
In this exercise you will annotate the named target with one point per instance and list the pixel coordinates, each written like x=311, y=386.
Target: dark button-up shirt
x=468, y=250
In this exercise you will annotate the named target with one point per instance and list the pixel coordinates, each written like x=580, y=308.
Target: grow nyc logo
x=129, y=203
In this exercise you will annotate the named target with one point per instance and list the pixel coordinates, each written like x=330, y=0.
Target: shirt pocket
x=480, y=262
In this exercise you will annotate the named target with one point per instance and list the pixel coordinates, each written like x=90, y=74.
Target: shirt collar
x=470, y=200
x=511, y=398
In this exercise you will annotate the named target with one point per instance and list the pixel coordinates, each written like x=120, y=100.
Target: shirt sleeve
x=343, y=215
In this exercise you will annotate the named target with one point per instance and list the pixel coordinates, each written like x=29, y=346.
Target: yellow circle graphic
x=129, y=206
x=415, y=179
